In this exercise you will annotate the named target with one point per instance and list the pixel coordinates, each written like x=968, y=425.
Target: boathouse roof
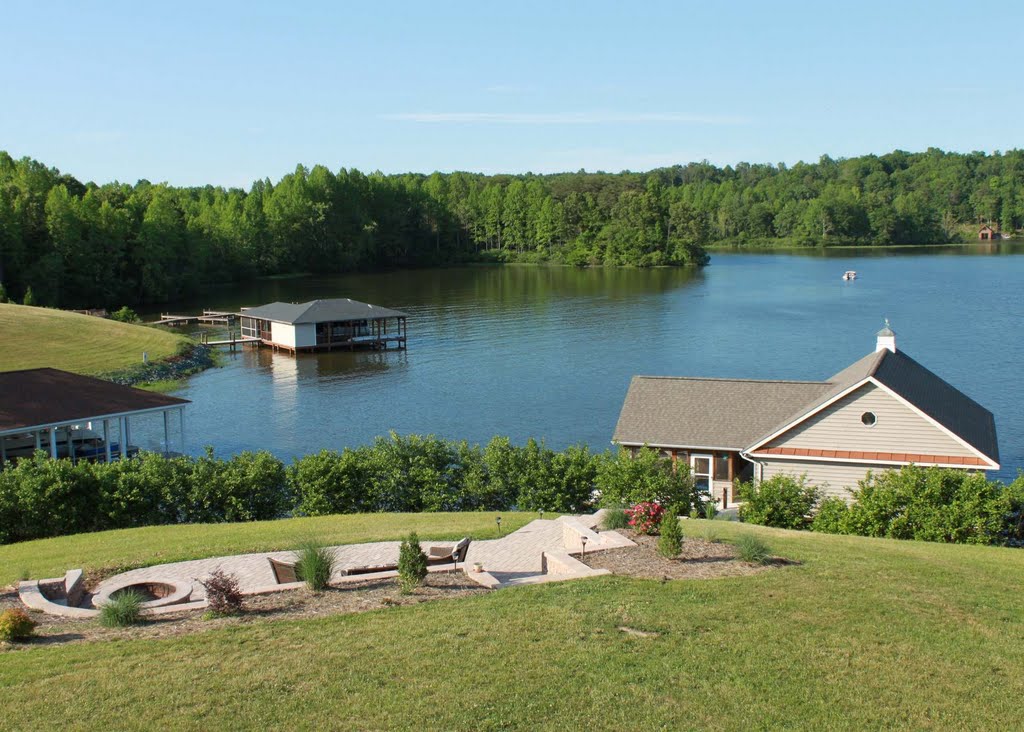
x=321, y=311
x=737, y=414
x=39, y=398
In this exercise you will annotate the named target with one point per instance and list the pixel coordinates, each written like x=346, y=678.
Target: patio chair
x=284, y=572
x=444, y=554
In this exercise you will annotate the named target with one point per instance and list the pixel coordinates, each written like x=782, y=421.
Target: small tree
x=30, y=297
x=125, y=315
x=670, y=543
x=3, y=293
x=412, y=564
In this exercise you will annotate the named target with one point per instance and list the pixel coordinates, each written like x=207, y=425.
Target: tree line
x=41, y=497
x=86, y=245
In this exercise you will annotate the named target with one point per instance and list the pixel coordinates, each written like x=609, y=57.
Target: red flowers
x=645, y=518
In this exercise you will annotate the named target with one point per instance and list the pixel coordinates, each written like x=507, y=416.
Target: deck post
x=106, y=438
x=122, y=433
x=39, y=441
x=53, y=442
x=3, y=451
x=167, y=432
x=181, y=422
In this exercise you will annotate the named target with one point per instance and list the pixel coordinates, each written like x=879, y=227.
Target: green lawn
x=35, y=337
x=863, y=634
x=160, y=544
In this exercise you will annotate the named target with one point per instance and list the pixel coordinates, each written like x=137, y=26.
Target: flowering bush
x=15, y=625
x=645, y=518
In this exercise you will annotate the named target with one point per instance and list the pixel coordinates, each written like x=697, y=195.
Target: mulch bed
x=286, y=605
x=700, y=559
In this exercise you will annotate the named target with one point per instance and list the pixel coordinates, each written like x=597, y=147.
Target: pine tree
x=670, y=543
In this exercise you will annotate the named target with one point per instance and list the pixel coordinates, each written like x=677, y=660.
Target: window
x=721, y=467
x=869, y=419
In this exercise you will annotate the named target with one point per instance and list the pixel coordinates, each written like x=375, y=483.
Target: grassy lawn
x=35, y=337
x=863, y=634
x=159, y=544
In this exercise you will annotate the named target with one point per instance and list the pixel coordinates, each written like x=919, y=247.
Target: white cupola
x=886, y=339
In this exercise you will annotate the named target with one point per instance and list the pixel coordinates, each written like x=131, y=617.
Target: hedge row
x=926, y=504
x=40, y=497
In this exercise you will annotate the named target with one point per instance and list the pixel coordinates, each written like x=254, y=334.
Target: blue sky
x=226, y=92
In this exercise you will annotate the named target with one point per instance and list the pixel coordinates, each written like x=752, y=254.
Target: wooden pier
x=208, y=317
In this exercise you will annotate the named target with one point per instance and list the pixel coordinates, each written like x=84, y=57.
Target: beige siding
x=898, y=429
x=834, y=479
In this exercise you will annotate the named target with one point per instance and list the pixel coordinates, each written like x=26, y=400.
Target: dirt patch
x=700, y=559
x=289, y=604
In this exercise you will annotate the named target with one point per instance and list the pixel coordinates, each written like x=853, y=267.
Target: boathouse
x=324, y=325
x=987, y=233
x=884, y=411
x=69, y=415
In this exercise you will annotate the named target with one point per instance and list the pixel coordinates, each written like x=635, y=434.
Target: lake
x=548, y=352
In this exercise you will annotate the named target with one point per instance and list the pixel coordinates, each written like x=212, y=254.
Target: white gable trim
x=661, y=446
x=942, y=428
x=806, y=416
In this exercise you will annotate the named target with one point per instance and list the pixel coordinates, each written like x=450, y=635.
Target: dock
x=208, y=317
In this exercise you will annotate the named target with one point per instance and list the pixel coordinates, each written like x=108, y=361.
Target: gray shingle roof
x=709, y=413
x=737, y=414
x=321, y=311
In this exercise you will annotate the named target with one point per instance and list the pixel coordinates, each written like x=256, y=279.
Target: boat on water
x=850, y=274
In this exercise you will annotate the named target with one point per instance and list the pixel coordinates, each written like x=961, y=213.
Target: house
x=884, y=411
x=70, y=415
x=987, y=233
x=324, y=325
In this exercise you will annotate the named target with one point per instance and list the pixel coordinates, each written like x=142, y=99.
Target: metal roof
x=36, y=398
x=737, y=414
x=320, y=311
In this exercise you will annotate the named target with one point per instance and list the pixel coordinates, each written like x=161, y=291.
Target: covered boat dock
x=324, y=325
x=80, y=417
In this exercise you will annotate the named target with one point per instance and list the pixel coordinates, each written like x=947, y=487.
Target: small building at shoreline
x=987, y=233
x=884, y=411
x=324, y=325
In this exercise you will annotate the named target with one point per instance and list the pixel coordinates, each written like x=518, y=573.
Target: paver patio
x=518, y=558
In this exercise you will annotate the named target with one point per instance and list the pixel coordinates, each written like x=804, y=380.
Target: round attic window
x=869, y=419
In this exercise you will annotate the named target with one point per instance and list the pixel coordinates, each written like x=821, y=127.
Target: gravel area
x=288, y=604
x=700, y=559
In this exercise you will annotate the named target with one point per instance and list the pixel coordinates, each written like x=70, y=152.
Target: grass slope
x=161, y=544
x=864, y=634
x=35, y=337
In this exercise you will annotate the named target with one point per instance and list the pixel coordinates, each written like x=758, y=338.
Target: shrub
x=125, y=315
x=16, y=625
x=614, y=518
x=831, y=516
x=670, y=543
x=624, y=480
x=121, y=609
x=752, y=550
x=329, y=482
x=30, y=297
x=314, y=564
x=781, y=501
x=223, y=594
x=412, y=564
x=645, y=518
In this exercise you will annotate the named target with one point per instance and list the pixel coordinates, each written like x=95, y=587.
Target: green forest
x=74, y=244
